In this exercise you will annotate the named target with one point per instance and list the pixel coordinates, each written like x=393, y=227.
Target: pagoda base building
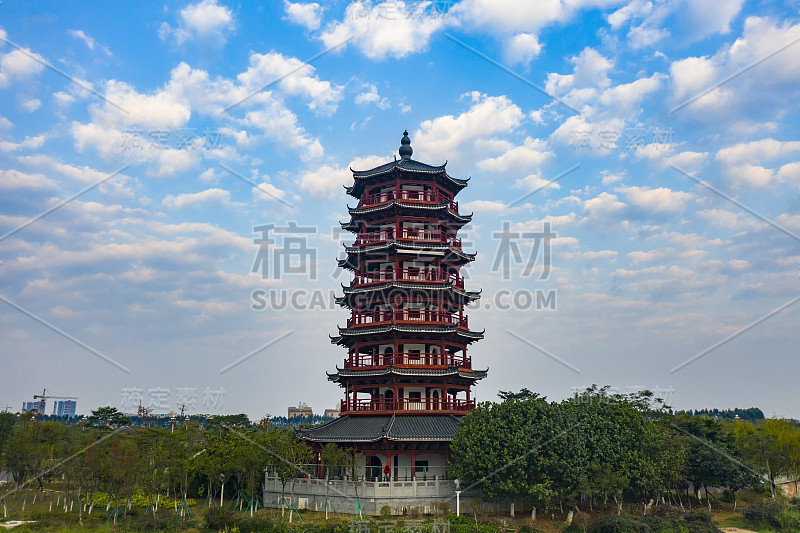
x=407, y=377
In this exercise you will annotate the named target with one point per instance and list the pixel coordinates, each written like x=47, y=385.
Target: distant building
x=302, y=410
x=332, y=413
x=30, y=406
x=65, y=408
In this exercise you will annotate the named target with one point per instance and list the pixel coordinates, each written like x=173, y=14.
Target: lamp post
x=458, y=497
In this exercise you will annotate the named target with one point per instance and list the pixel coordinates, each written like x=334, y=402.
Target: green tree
x=109, y=417
x=504, y=448
x=761, y=444
x=713, y=459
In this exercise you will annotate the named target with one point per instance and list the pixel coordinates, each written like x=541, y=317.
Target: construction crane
x=44, y=397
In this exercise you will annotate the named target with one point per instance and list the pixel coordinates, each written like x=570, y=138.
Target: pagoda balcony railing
x=366, y=318
x=427, y=197
x=407, y=404
x=407, y=359
x=408, y=234
x=408, y=274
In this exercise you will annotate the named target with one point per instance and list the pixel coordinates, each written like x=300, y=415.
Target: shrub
x=728, y=496
x=218, y=519
x=258, y=523
x=781, y=515
x=386, y=511
x=616, y=524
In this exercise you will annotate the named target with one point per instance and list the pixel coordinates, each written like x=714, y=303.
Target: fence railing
x=428, y=197
x=408, y=274
x=408, y=234
x=406, y=315
x=410, y=359
x=407, y=404
x=361, y=473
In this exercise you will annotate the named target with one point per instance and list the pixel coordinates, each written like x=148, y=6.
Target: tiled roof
x=471, y=335
x=371, y=428
x=403, y=164
x=430, y=285
x=432, y=247
x=427, y=207
x=408, y=165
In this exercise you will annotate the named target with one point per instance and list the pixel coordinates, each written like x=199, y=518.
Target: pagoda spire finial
x=405, y=146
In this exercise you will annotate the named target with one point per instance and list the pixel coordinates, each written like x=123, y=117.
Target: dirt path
x=736, y=530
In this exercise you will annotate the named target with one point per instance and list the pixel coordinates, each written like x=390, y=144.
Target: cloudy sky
x=142, y=145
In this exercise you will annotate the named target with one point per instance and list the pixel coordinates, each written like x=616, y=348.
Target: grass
x=723, y=515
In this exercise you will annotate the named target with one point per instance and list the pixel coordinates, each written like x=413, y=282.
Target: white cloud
x=88, y=41
x=63, y=99
x=191, y=91
x=484, y=206
x=608, y=179
x=644, y=36
x=590, y=72
x=471, y=131
x=30, y=143
x=663, y=255
x=205, y=21
x=761, y=38
x=19, y=65
x=604, y=204
x=533, y=182
x=220, y=196
x=267, y=192
x=660, y=200
x=710, y=17
x=325, y=180
x=14, y=179
x=756, y=151
x=307, y=15
x=387, y=29
x=30, y=104
x=722, y=218
x=601, y=254
x=743, y=162
x=371, y=96
x=692, y=75
x=322, y=96
x=632, y=10
x=522, y=48
x=531, y=154
x=624, y=97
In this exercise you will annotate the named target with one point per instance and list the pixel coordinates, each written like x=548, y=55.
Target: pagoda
x=407, y=378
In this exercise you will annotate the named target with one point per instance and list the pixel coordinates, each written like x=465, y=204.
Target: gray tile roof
x=393, y=203
x=371, y=428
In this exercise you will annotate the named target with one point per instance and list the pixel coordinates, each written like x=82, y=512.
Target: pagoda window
x=388, y=355
x=389, y=400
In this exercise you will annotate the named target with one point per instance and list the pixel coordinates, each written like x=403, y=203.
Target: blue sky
x=658, y=139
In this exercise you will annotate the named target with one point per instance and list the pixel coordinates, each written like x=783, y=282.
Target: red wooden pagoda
x=407, y=376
